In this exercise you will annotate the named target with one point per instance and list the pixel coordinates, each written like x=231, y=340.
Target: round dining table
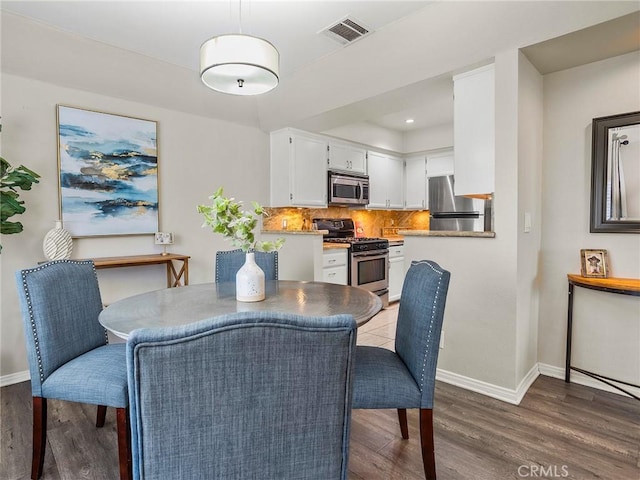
x=182, y=305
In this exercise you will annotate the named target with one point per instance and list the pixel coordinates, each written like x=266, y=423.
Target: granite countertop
x=445, y=233
x=296, y=232
x=333, y=246
x=394, y=240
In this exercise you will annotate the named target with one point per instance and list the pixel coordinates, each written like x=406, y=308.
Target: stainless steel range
x=368, y=257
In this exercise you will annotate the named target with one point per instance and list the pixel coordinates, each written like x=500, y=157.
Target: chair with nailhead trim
x=249, y=395
x=406, y=378
x=69, y=354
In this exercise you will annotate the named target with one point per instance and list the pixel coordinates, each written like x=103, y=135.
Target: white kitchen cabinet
x=474, y=131
x=298, y=169
x=416, y=196
x=386, y=174
x=396, y=272
x=440, y=164
x=334, y=266
x=347, y=157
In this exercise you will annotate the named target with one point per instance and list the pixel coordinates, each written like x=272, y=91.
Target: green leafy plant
x=13, y=179
x=225, y=216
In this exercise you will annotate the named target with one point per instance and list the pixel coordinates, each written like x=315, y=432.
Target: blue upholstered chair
x=229, y=262
x=406, y=378
x=252, y=395
x=69, y=355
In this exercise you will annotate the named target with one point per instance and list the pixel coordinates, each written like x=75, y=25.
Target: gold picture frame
x=594, y=263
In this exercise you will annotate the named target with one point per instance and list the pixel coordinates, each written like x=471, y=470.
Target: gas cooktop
x=353, y=239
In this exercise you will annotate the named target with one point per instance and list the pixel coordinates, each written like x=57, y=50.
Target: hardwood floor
x=558, y=431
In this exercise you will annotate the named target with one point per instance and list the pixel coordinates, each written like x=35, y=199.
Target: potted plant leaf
x=12, y=180
x=226, y=216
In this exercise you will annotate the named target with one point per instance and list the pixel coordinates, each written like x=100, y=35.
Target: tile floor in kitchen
x=380, y=331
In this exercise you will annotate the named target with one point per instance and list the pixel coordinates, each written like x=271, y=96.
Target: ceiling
x=172, y=32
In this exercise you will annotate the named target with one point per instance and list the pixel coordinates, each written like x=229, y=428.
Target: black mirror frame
x=600, y=128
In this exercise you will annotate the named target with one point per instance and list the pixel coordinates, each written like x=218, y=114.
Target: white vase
x=57, y=243
x=250, y=281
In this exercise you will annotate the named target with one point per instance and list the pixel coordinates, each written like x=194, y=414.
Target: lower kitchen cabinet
x=396, y=272
x=334, y=266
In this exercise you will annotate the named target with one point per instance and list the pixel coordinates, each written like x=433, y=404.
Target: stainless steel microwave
x=347, y=189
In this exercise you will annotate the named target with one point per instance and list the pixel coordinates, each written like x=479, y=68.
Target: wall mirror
x=615, y=174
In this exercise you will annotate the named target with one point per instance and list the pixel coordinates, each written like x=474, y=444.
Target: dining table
x=172, y=307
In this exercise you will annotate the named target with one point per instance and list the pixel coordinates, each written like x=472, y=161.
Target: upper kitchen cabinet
x=474, y=131
x=415, y=183
x=298, y=169
x=385, y=180
x=347, y=157
x=440, y=164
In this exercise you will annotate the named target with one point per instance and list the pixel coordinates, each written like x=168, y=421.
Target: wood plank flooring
x=558, y=431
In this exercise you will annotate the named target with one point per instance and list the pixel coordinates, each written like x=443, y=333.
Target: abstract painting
x=108, y=173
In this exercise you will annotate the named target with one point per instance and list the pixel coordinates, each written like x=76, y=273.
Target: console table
x=622, y=286
x=175, y=278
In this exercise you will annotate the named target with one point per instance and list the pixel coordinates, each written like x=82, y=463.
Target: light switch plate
x=527, y=222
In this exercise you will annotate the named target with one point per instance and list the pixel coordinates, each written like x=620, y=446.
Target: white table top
x=182, y=305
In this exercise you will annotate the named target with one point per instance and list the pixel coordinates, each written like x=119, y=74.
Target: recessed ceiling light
x=409, y=120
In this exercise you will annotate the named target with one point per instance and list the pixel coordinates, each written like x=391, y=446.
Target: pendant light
x=239, y=64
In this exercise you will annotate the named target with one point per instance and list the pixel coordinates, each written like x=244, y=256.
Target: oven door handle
x=370, y=254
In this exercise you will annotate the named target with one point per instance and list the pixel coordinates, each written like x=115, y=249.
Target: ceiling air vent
x=346, y=30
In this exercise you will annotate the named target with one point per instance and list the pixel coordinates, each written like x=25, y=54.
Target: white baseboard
x=494, y=391
x=12, y=378
x=579, y=378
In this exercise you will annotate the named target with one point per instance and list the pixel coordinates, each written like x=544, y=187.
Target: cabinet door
x=440, y=164
x=347, y=157
x=377, y=163
x=395, y=180
x=396, y=277
x=474, y=131
x=415, y=183
x=308, y=171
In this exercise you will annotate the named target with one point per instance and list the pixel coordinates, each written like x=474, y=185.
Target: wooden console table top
x=175, y=278
x=133, y=260
x=629, y=286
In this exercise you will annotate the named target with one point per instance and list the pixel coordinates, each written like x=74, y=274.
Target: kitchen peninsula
x=445, y=233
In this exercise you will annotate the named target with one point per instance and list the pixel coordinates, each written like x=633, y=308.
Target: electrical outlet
x=442, y=339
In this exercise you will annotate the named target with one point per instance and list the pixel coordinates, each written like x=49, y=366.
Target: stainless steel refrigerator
x=456, y=213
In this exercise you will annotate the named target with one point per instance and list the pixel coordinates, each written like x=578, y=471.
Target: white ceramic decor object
x=57, y=244
x=250, y=281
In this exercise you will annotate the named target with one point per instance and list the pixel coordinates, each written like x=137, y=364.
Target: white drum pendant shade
x=239, y=64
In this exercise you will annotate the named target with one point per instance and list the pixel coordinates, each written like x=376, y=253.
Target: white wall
x=369, y=134
x=412, y=141
x=196, y=156
x=431, y=138
x=606, y=326
x=530, y=120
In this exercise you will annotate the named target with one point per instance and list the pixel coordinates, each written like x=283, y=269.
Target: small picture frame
x=594, y=263
x=164, y=238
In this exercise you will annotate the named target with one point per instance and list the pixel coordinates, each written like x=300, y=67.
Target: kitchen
x=311, y=170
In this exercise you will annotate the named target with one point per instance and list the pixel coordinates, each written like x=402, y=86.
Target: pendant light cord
x=240, y=14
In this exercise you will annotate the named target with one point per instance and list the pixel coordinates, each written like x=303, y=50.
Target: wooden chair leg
x=124, y=443
x=39, y=440
x=101, y=416
x=402, y=418
x=426, y=441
